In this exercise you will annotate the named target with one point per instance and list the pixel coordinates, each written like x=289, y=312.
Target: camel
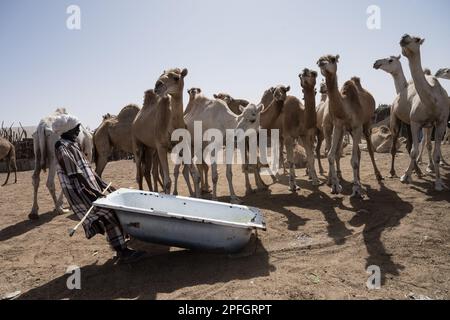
x=232, y=103
x=324, y=126
x=443, y=73
x=161, y=114
x=113, y=132
x=299, y=122
x=401, y=110
x=433, y=111
x=207, y=111
x=382, y=140
x=350, y=113
x=8, y=153
x=44, y=140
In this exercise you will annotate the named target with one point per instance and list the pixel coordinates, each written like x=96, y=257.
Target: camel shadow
x=375, y=222
x=336, y=227
x=26, y=226
x=160, y=274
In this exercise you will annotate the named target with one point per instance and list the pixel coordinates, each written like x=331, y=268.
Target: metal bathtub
x=183, y=222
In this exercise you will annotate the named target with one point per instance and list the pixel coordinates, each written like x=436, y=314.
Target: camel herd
x=420, y=104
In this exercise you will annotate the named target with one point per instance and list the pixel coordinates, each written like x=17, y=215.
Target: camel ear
x=184, y=72
x=241, y=108
x=398, y=57
x=422, y=41
x=199, y=90
x=259, y=107
x=337, y=58
x=215, y=96
x=288, y=88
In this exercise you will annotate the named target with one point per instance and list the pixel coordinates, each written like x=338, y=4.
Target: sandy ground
x=317, y=246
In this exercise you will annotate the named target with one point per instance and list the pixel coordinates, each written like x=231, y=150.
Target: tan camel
x=382, y=140
x=324, y=126
x=161, y=114
x=208, y=111
x=8, y=153
x=348, y=114
x=401, y=110
x=433, y=111
x=113, y=132
x=232, y=103
x=299, y=122
x=44, y=140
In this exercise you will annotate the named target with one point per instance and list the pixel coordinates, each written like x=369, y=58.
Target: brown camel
x=8, y=152
x=299, y=122
x=161, y=114
x=232, y=103
x=113, y=132
x=349, y=113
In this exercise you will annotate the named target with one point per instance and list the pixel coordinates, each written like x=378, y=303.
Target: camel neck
x=310, y=108
x=399, y=80
x=176, y=105
x=334, y=96
x=422, y=86
x=271, y=113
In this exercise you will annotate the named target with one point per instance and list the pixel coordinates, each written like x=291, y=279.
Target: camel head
x=225, y=97
x=328, y=64
x=443, y=73
x=411, y=45
x=391, y=65
x=308, y=79
x=193, y=92
x=171, y=82
x=280, y=93
x=349, y=89
x=249, y=118
x=427, y=72
x=323, y=87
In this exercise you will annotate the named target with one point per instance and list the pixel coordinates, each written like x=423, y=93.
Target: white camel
x=433, y=111
x=44, y=140
x=215, y=114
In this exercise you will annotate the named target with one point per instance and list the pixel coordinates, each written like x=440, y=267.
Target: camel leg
x=289, y=143
x=186, y=171
x=35, y=181
x=248, y=186
x=415, y=128
x=138, y=161
x=355, y=162
x=14, y=165
x=52, y=189
x=192, y=169
x=395, y=130
x=260, y=185
x=318, y=147
x=440, y=130
x=409, y=143
x=426, y=142
x=215, y=179
x=176, y=173
x=8, y=164
x=167, y=182
x=339, y=157
x=367, y=134
x=233, y=198
x=309, y=149
x=336, y=137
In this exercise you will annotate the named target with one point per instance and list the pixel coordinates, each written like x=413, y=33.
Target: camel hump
x=128, y=113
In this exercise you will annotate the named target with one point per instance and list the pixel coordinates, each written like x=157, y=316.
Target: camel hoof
x=336, y=188
x=249, y=191
x=316, y=182
x=61, y=210
x=430, y=169
x=235, y=200
x=440, y=186
x=379, y=176
x=405, y=179
x=33, y=216
x=357, y=192
x=262, y=189
x=294, y=188
x=206, y=191
x=175, y=193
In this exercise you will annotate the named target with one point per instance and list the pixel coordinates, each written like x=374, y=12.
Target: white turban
x=64, y=123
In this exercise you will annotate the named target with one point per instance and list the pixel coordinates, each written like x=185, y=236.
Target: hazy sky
x=241, y=47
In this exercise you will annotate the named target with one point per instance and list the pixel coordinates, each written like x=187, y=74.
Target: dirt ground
x=317, y=245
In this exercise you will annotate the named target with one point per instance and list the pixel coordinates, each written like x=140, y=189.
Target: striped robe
x=71, y=162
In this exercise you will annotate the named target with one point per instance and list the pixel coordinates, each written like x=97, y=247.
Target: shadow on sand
x=26, y=225
x=164, y=273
